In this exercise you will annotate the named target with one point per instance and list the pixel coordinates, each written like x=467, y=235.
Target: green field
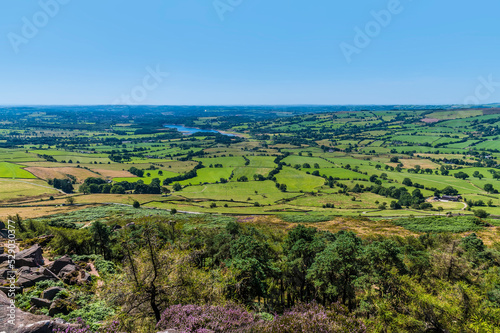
x=10, y=170
x=147, y=179
x=298, y=180
x=342, y=150
x=208, y=175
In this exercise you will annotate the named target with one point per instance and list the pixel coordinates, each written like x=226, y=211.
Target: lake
x=190, y=130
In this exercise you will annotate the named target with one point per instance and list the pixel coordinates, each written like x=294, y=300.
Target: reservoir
x=191, y=130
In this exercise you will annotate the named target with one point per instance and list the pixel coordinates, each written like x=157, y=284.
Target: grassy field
x=147, y=179
x=297, y=180
x=208, y=175
x=349, y=154
x=14, y=171
x=17, y=190
x=262, y=192
x=438, y=224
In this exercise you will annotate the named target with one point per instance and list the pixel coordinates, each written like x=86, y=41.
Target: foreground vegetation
x=166, y=271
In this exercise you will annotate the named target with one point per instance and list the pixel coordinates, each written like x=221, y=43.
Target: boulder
x=4, y=257
x=44, y=240
x=61, y=306
x=40, y=302
x=31, y=257
x=28, y=277
x=51, y=293
x=2, y=225
x=7, y=290
x=68, y=269
x=60, y=263
x=4, y=273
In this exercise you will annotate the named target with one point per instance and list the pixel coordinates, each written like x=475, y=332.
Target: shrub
x=437, y=224
x=481, y=213
x=200, y=319
x=313, y=318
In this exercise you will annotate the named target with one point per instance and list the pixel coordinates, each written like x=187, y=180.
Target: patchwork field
x=337, y=163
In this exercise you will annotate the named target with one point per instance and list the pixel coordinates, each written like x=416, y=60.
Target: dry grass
x=362, y=227
x=51, y=173
x=489, y=235
x=411, y=163
x=34, y=212
x=113, y=173
x=20, y=190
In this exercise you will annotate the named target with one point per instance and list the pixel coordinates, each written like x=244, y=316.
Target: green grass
x=234, y=161
x=18, y=189
x=342, y=173
x=146, y=179
x=208, y=175
x=262, y=192
x=297, y=180
x=295, y=159
x=249, y=172
x=438, y=224
x=299, y=218
x=10, y=170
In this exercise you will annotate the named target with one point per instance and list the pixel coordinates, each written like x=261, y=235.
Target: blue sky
x=260, y=52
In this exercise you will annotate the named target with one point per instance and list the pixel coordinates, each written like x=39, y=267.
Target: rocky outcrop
x=28, y=276
x=60, y=263
x=61, y=306
x=31, y=257
x=40, y=302
x=51, y=293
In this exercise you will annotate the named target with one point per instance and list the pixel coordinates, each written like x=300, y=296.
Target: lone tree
x=481, y=213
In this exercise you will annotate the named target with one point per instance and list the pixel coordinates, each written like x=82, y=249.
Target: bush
x=306, y=218
x=313, y=318
x=481, y=213
x=200, y=319
x=437, y=224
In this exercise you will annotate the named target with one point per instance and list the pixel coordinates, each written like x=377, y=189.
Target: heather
x=199, y=319
x=306, y=318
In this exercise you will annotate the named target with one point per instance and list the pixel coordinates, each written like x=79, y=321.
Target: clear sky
x=249, y=52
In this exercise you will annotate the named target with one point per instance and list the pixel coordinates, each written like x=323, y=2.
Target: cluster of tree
x=95, y=185
x=415, y=200
x=188, y=175
x=461, y=175
x=490, y=189
x=65, y=185
x=48, y=158
x=281, y=187
x=424, y=282
x=136, y=172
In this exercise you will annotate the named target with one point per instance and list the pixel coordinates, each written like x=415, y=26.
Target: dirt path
x=93, y=271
